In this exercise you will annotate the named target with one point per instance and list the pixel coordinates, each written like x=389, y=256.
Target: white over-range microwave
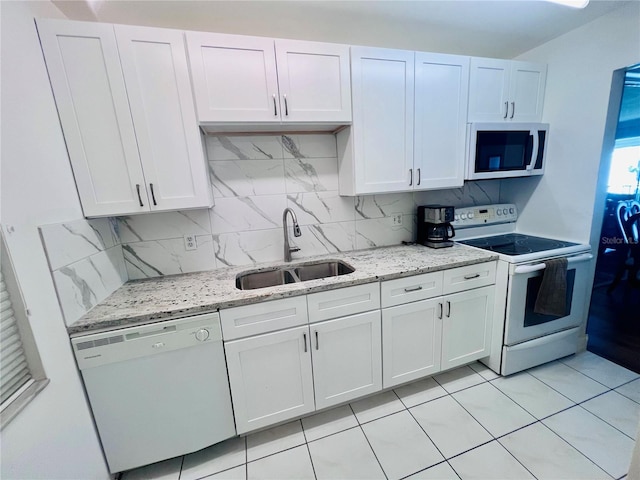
x=503, y=150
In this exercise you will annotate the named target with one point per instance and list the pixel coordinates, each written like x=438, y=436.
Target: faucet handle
x=294, y=249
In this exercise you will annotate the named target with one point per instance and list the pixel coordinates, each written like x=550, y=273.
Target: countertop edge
x=79, y=328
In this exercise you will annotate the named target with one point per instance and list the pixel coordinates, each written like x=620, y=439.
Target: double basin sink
x=301, y=272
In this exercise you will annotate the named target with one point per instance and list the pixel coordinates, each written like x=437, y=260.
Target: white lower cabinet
x=421, y=338
x=466, y=326
x=270, y=377
x=347, y=360
x=279, y=375
x=411, y=347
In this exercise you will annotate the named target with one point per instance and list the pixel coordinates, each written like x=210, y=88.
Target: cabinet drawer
x=410, y=289
x=343, y=301
x=263, y=317
x=465, y=278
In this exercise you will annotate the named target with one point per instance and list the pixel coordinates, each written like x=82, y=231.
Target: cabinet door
x=314, y=81
x=86, y=77
x=528, y=82
x=442, y=85
x=489, y=90
x=234, y=78
x=382, y=89
x=270, y=377
x=411, y=341
x=466, y=326
x=154, y=63
x=347, y=359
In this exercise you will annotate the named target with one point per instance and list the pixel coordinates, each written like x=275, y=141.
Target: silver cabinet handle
x=317, y=344
x=286, y=106
x=413, y=289
x=513, y=109
x=439, y=310
x=410, y=176
x=448, y=308
x=275, y=108
x=153, y=195
x=304, y=338
x=506, y=110
x=471, y=277
x=418, y=176
x=139, y=197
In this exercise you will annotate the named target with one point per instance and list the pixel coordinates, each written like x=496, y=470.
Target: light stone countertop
x=173, y=296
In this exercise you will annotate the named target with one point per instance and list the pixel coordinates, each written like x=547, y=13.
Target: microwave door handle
x=541, y=266
x=534, y=150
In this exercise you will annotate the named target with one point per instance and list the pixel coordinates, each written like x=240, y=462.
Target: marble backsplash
x=86, y=263
x=253, y=178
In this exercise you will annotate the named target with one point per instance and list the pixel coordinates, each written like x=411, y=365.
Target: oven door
x=521, y=322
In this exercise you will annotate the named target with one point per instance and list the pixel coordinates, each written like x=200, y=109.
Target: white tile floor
x=576, y=418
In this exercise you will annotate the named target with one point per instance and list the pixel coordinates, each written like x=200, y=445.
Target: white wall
x=54, y=436
x=581, y=64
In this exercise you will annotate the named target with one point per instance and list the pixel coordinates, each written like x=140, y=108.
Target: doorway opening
x=613, y=325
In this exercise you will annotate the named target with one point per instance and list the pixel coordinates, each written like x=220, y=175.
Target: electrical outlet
x=190, y=242
x=397, y=219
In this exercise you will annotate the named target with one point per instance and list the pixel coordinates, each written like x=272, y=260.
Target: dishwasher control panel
x=98, y=349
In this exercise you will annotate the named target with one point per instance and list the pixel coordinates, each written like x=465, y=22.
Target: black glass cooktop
x=516, y=244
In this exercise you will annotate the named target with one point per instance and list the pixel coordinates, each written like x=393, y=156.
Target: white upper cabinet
x=314, y=81
x=128, y=118
x=88, y=85
x=409, y=122
x=157, y=79
x=441, y=89
x=506, y=90
x=376, y=153
x=247, y=79
x=234, y=78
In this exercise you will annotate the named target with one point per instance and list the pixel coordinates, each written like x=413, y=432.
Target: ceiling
x=503, y=29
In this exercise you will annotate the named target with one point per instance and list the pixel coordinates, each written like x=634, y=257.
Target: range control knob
x=470, y=215
x=512, y=210
x=505, y=211
x=202, y=334
x=499, y=212
x=463, y=216
x=457, y=217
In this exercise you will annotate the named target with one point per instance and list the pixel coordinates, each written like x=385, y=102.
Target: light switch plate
x=397, y=219
x=190, y=242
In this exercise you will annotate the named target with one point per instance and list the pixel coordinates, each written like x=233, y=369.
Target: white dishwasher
x=157, y=391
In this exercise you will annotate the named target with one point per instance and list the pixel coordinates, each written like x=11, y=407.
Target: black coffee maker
x=434, y=225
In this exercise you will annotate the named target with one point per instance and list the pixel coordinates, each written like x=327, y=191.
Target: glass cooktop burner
x=516, y=244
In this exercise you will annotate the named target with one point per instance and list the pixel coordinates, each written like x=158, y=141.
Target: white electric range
x=528, y=338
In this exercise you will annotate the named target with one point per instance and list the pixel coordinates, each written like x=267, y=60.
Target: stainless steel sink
x=264, y=278
x=300, y=272
x=314, y=271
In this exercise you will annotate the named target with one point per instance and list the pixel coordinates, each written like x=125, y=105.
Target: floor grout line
x=568, y=443
x=369, y=443
x=306, y=443
x=603, y=420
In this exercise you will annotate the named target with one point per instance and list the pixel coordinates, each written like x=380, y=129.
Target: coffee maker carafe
x=434, y=225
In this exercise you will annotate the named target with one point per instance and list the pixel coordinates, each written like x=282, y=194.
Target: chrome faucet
x=296, y=233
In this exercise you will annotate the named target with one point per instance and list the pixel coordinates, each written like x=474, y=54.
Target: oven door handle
x=541, y=266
